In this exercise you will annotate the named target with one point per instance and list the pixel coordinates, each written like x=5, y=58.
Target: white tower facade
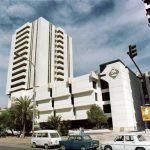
x=40, y=53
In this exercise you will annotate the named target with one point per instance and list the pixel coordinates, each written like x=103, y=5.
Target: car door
x=38, y=139
x=78, y=142
x=70, y=142
x=129, y=142
x=44, y=138
x=119, y=143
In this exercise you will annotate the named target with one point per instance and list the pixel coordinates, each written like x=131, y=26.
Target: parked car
x=131, y=141
x=45, y=138
x=79, y=142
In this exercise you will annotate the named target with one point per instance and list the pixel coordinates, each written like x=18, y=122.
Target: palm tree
x=24, y=111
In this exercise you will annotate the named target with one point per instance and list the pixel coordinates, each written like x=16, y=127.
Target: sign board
x=145, y=113
x=113, y=73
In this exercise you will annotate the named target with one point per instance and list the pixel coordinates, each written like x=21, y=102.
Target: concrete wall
x=124, y=96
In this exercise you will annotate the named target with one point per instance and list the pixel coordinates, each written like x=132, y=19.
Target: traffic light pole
x=137, y=67
x=131, y=49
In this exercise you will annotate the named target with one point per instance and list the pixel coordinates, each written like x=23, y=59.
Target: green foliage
x=64, y=128
x=18, y=117
x=54, y=122
x=23, y=112
x=96, y=116
x=4, y=120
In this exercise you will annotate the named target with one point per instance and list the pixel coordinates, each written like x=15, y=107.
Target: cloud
x=20, y=11
x=101, y=29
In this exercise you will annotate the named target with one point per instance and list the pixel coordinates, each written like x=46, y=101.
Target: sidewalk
x=10, y=140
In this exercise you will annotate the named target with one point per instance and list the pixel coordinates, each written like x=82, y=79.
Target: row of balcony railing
x=19, y=68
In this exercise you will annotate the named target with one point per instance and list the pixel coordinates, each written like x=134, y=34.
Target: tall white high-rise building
x=40, y=53
x=41, y=60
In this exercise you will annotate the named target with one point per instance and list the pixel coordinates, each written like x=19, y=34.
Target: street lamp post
x=34, y=91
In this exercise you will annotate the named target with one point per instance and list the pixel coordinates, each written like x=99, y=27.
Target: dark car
x=79, y=142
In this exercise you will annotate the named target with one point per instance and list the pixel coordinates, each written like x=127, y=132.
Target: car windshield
x=140, y=138
x=87, y=137
x=54, y=135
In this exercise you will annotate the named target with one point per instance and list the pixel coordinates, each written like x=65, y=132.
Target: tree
x=96, y=116
x=64, y=128
x=24, y=111
x=54, y=122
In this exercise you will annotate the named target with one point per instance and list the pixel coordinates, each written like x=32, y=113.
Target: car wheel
x=62, y=147
x=83, y=148
x=107, y=148
x=140, y=148
x=46, y=146
x=34, y=145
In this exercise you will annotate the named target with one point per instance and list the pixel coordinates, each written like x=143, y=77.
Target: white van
x=46, y=138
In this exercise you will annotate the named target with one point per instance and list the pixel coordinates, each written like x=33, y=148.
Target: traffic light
x=132, y=51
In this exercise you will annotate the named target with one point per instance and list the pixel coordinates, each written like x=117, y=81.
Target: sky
x=101, y=31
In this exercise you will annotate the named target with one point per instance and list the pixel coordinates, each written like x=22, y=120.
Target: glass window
x=71, y=138
x=79, y=138
x=104, y=84
x=140, y=138
x=96, y=97
x=119, y=138
x=129, y=138
x=34, y=135
x=106, y=96
x=54, y=135
x=107, y=108
x=87, y=137
x=44, y=134
x=94, y=84
x=39, y=135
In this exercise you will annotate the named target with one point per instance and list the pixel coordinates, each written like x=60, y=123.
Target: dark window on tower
x=54, y=113
x=96, y=97
x=107, y=108
x=72, y=100
x=106, y=96
x=104, y=84
x=70, y=88
x=94, y=84
x=74, y=111
x=53, y=103
x=51, y=92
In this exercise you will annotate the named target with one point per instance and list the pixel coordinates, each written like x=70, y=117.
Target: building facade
x=41, y=58
x=147, y=7
x=40, y=54
x=122, y=94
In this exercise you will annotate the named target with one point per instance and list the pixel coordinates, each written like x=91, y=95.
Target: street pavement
x=12, y=147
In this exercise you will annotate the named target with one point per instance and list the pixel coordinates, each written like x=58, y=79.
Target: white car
x=45, y=138
x=127, y=142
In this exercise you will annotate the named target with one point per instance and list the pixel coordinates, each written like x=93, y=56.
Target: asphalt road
x=8, y=147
